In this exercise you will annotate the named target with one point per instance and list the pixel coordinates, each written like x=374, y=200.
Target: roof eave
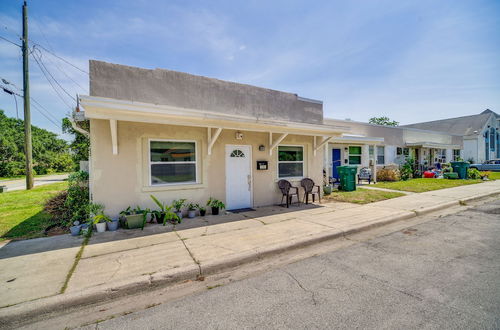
x=108, y=108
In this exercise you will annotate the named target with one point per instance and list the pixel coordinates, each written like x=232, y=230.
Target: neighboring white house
x=480, y=133
x=375, y=146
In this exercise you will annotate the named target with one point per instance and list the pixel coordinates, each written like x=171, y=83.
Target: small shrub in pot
x=178, y=204
x=202, y=210
x=165, y=213
x=133, y=218
x=216, y=205
x=192, y=210
x=97, y=216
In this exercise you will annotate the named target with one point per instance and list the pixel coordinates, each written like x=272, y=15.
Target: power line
x=12, y=42
x=15, y=99
x=55, y=80
x=9, y=91
x=6, y=28
x=6, y=82
x=59, y=57
x=50, y=82
x=67, y=75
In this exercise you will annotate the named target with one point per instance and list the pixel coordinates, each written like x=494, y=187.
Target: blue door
x=336, y=161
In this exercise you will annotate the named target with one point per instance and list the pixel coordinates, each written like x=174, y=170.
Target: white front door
x=238, y=177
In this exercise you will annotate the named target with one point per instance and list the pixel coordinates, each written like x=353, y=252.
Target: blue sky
x=409, y=60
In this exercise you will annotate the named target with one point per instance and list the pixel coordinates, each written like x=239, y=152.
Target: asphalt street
x=443, y=274
x=20, y=184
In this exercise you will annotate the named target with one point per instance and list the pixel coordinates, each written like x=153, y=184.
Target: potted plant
x=165, y=213
x=112, y=225
x=202, y=210
x=100, y=221
x=178, y=204
x=75, y=229
x=133, y=218
x=216, y=205
x=192, y=210
x=327, y=189
x=97, y=216
x=85, y=228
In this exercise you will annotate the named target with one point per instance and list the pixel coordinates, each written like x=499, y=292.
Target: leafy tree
x=50, y=153
x=383, y=121
x=80, y=145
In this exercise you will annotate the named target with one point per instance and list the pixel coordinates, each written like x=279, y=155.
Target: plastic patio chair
x=310, y=189
x=288, y=191
x=365, y=174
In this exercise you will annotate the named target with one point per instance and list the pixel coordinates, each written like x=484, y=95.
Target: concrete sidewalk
x=112, y=265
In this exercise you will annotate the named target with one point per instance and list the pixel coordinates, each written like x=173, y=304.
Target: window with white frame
x=354, y=155
x=380, y=155
x=172, y=162
x=456, y=154
x=290, y=161
x=440, y=156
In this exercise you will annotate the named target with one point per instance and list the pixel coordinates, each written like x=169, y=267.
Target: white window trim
x=356, y=155
x=278, y=162
x=196, y=162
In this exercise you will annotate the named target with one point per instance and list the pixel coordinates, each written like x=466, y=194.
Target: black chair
x=310, y=189
x=288, y=191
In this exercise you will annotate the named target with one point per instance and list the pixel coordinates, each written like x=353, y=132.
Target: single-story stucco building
x=176, y=135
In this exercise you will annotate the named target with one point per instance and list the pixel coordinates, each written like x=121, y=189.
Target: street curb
x=11, y=315
x=476, y=197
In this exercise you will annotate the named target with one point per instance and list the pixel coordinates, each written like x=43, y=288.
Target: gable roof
x=465, y=125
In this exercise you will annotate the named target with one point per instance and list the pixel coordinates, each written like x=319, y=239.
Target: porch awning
x=433, y=145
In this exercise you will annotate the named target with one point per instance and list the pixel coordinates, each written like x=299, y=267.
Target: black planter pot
x=215, y=210
x=202, y=213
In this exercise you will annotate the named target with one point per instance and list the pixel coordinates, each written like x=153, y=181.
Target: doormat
x=247, y=209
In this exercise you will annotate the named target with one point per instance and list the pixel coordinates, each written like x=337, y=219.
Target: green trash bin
x=347, y=176
x=460, y=168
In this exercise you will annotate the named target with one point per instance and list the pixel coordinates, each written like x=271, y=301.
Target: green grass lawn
x=422, y=185
x=494, y=176
x=21, y=212
x=361, y=196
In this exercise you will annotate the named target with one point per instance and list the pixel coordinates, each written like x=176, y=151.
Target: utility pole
x=27, y=113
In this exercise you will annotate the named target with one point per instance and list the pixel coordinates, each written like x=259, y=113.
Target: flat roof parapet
x=183, y=90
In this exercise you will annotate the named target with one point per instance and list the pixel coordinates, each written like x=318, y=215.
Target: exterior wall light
x=262, y=148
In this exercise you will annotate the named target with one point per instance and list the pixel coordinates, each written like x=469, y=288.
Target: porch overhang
x=433, y=145
x=122, y=110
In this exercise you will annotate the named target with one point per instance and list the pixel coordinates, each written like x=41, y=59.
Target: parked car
x=489, y=165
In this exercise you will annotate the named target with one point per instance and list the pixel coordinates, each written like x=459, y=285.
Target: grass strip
x=423, y=185
x=361, y=196
x=75, y=263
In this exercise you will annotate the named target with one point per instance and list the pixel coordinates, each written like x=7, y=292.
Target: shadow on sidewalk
x=39, y=245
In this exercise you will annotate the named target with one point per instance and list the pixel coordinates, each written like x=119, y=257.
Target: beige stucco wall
x=118, y=181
